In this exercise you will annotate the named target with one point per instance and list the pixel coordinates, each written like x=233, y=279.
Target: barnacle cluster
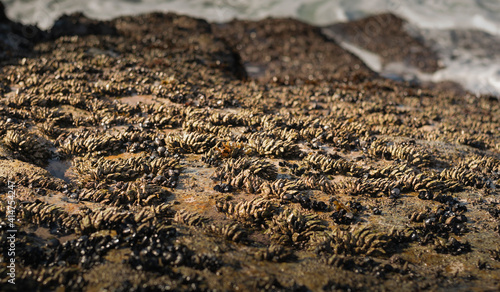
x=256, y=210
x=406, y=151
x=27, y=147
x=42, y=213
x=280, y=188
x=292, y=227
x=87, y=221
x=190, y=142
x=91, y=169
x=139, y=192
x=330, y=165
x=190, y=219
x=464, y=176
x=231, y=231
x=177, y=167
x=273, y=148
x=87, y=142
x=226, y=149
x=357, y=240
x=233, y=167
x=366, y=186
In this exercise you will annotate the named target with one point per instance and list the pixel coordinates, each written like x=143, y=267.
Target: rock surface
x=385, y=35
x=250, y=156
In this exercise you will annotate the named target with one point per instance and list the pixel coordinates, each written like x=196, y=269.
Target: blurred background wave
x=465, y=34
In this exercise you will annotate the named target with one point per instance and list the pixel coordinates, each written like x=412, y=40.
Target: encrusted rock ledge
x=161, y=152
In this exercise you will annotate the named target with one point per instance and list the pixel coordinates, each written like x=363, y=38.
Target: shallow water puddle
x=136, y=99
x=71, y=206
x=44, y=233
x=195, y=187
x=60, y=169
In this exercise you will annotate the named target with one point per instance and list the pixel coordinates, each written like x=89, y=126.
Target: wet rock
x=78, y=24
x=140, y=211
x=385, y=35
x=16, y=39
x=275, y=57
x=343, y=217
x=223, y=188
x=3, y=17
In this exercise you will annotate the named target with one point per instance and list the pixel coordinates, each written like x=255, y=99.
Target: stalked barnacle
x=281, y=189
x=273, y=148
x=91, y=169
x=292, y=227
x=190, y=142
x=328, y=165
x=261, y=168
x=412, y=154
x=275, y=253
x=247, y=181
x=418, y=216
x=232, y=231
x=27, y=147
x=190, y=219
x=464, y=176
x=356, y=241
x=253, y=211
x=88, y=142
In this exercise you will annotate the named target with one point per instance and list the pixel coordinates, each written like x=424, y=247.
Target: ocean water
x=465, y=33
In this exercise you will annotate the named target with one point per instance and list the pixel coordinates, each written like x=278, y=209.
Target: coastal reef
x=161, y=152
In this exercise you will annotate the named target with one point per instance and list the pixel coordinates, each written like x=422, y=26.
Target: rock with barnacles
x=253, y=211
x=27, y=147
x=231, y=231
x=357, y=240
x=292, y=227
x=190, y=142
